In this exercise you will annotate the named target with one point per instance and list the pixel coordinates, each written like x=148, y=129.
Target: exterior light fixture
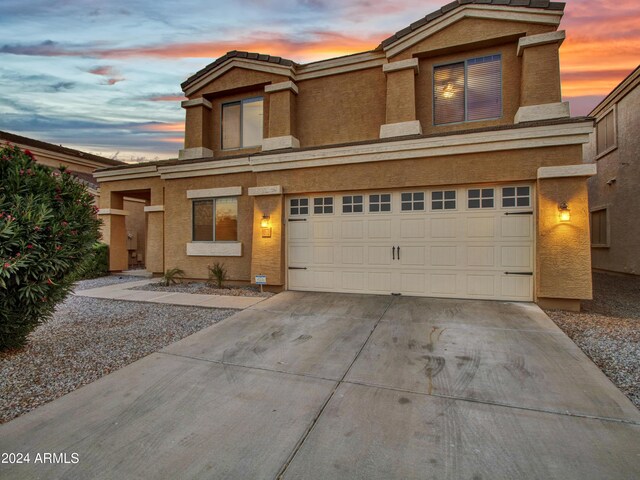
x=265, y=225
x=565, y=213
x=448, y=91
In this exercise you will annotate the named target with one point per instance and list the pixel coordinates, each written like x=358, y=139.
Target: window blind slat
x=484, y=88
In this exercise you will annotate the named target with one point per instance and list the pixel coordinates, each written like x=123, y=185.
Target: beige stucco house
x=441, y=163
x=82, y=165
x=615, y=208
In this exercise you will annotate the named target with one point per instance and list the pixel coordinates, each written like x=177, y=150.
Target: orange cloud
x=163, y=127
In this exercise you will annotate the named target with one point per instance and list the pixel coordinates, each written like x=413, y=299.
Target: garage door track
x=320, y=385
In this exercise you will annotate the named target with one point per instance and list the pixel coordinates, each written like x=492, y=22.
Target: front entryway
x=462, y=242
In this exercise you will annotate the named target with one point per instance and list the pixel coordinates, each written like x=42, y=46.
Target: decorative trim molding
x=401, y=129
x=214, y=249
x=268, y=190
x=583, y=170
x=281, y=87
x=195, y=152
x=547, y=111
x=202, y=169
x=196, y=102
x=215, y=192
x=278, y=143
x=492, y=12
x=540, y=39
x=402, y=65
x=112, y=211
x=154, y=208
x=151, y=169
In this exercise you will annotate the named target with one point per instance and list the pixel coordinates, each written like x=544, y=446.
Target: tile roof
x=238, y=54
x=13, y=138
x=545, y=4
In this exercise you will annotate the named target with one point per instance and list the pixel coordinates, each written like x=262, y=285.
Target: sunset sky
x=104, y=76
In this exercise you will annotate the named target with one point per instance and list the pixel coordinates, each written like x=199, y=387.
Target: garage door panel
x=323, y=230
x=481, y=227
x=412, y=228
x=353, y=254
x=352, y=280
x=445, y=227
x=300, y=255
x=379, y=228
x=323, y=254
x=352, y=230
x=298, y=230
x=481, y=285
x=516, y=226
x=443, y=255
x=301, y=279
x=444, y=283
x=379, y=282
x=413, y=283
x=324, y=279
x=517, y=287
x=412, y=256
x=516, y=256
x=480, y=255
x=379, y=255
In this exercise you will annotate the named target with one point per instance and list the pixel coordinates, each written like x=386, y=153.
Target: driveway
x=319, y=386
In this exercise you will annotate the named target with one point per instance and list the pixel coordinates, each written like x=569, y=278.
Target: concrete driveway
x=319, y=386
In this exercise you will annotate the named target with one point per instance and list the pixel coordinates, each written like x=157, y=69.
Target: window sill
x=605, y=153
x=214, y=249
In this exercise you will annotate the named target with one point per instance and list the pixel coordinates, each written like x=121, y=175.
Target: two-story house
x=441, y=163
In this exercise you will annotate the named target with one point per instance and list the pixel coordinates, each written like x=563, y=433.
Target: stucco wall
x=621, y=167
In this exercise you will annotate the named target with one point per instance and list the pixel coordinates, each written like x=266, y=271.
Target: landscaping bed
x=204, y=289
x=87, y=339
x=608, y=330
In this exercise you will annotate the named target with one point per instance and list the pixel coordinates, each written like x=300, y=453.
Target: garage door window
x=380, y=203
x=443, y=200
x=516, y=197
x=412, y=202
x=353, y=204
x=480, y=198
x=299, y=206
x=322, y=205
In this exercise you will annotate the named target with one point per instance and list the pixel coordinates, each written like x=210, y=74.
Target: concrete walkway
x=121, y=291
x=330, y=386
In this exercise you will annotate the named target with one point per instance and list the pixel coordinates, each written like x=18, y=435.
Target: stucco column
x=563, y=247
x=197, y=135
x=267, y=249
x=540, y=93
x=401, y=99
x=282, y=116
x=114, y=230
x=155, y=232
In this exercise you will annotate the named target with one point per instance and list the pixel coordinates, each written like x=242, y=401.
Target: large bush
x=96, y=264
x=47, y=228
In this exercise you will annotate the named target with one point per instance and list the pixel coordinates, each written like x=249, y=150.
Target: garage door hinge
x=297, y=268
x=518, y=213
x=297, y=219
x=518, y=273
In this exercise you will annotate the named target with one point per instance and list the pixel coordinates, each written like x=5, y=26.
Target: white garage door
x=471, y=242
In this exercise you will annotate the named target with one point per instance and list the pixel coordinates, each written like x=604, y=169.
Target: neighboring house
x=82, y=165
x=442, y=163
x=613, y=192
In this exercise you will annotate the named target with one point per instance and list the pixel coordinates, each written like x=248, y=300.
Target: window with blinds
x=468, y=91
x=606, y=133
x=599, y=228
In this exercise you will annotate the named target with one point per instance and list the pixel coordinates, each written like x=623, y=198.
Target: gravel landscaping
x=204, y=289
x=608, y=330
x=89, y=338
x=105, y=281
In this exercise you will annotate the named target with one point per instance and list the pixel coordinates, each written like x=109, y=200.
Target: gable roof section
x=391, y=45
x=31, y=142
x=631, y=82
x=539, y=4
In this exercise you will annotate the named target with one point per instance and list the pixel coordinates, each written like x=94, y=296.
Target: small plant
x=218, y=274
x=171, y=276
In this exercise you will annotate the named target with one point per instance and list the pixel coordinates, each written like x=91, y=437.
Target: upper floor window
x=606, y=132
x=467, y=91
x=215, y=219
x=242, y=123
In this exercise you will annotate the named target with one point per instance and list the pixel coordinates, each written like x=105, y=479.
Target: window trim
x=213, y=200
x=614, y=109
x=308, y=207
x=352, y=204
x=608, y=226
x=494, y=197
x=444, y=209
x=466, y=111
x=515, y=197
x=312, y=205
x=412, y=201
x=240, y=102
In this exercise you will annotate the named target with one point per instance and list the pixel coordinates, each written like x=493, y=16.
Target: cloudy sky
x=104, y=75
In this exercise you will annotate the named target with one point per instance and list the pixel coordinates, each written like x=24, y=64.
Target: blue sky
x=104, y=76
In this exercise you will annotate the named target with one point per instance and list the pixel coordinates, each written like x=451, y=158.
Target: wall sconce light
x=565, y=213
x=265, y=225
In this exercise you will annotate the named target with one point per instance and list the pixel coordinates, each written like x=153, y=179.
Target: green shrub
x=218, y=274
x=48, y=226
x=171, y=276
x=96, y=264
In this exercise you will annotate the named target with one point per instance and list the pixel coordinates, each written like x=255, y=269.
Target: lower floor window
x=215, y=219
x=599, y=228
